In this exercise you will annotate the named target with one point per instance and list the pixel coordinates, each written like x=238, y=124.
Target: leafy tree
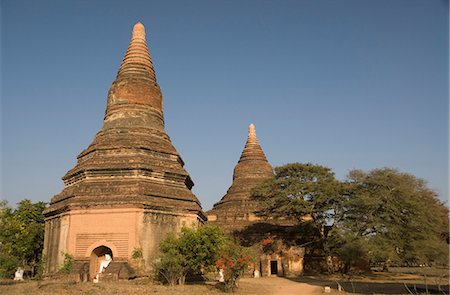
x=193, y=251
x=306, y=192
x=21, y=236
x=397, y=216
x=383, y=215
x=350, y=253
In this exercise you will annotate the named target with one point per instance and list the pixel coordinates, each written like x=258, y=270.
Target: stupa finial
x=137, y=63
x=252, y=149
x=138, y=31
x=252, y=132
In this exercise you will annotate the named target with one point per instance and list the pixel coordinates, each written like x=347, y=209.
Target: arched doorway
x=97, y=256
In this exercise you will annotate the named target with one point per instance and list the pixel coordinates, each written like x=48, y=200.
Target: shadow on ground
x=375, y=287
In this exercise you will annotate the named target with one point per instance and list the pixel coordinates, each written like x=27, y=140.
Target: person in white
x=221, y=277
x=18, y=275
x=103, y=265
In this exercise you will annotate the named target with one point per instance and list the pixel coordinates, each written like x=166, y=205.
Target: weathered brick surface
x=131, y=169
x=234, y=213
x=236, y=209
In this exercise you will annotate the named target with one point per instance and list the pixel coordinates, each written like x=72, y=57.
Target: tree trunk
x=182, y=279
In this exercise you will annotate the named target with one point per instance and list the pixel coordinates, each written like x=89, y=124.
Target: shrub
x=8, y=265
x=193, y=251
x=171, y=268
x=67, y=266
x=21, y=236
x=138, y=257
x=234, y=260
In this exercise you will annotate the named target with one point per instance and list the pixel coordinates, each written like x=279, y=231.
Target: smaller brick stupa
x=236, y=209
x=273, y=240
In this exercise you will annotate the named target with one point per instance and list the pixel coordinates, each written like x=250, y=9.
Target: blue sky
x=345, y=84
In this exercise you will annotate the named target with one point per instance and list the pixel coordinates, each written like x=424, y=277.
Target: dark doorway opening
x=273, y=267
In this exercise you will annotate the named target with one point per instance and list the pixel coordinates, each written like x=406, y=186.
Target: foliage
x=41, y=267
x=350, y=253
x=137, y=254
x=400, y=219
x=67, y=265
x=171, y=268
x=138, y=257
x=234, y=260
x=193, y=251
x=384, y=216
x=8, y=265
x=301, y=191
x=306, y=192
x=21, y=236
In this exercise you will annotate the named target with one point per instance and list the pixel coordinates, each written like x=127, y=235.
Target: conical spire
x=132, y=148
x=236, y=209
x=252, y=149
x=137, y=63
x=135, y=89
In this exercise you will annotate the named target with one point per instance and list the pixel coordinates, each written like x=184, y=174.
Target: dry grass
x=248, y=286
x=118, y=287
x=378, y=282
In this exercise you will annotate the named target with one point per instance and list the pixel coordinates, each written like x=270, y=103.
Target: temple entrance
x=273, y=267
x=97, y=256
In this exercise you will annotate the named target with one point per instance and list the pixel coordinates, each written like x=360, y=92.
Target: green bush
x=67, y=266
x=21, y=236
x=192, y=251
x=233, y=261
x=8, y=265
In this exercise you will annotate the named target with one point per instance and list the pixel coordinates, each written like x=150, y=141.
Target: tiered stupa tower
x=235, y=214
x=236, y=209
x=128, y=188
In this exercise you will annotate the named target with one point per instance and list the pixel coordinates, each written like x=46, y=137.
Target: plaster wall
x=155, y=226
x=122, y=230
x=114, y=228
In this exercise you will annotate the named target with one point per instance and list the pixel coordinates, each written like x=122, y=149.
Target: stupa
x=128, y=189
x=273, y=240
x=236, y=209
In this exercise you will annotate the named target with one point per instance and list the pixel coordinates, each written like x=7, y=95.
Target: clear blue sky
x=346, y=84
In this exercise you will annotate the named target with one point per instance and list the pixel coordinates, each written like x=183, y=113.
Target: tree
x=397, y=216
x=381, y=216
x=306, y=192
x=21, y=236
x=193, y=251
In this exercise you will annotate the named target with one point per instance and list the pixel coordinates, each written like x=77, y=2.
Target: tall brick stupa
x=236, y=209
x=128, y=189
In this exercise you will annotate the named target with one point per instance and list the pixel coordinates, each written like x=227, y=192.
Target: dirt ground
x=384, y=283
x=250, y=286
x=378, y=283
